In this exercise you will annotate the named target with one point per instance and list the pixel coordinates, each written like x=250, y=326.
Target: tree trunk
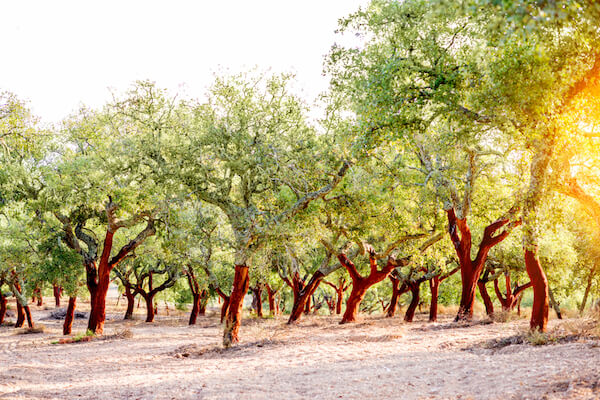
x=37, y=294
x=3, y=302
x=28, y=315
x=68, y=324
x=130, y=303
x=195, y=309
x=415, y=289
x=588, y=287
x=56, y=291
x=554, y=304
x=397, y=291
x=271, y=296
x=20, y=316
x=539, y=312
x=233, y=320
x=257, y=293
x=434, y=287
x=150, y=310
x=203, y=302
x=308, y=305
x=487, y=300
x=357, y=294
x=304, y=295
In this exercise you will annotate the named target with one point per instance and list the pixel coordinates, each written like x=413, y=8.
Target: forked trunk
x=233, y=320
x=68, y=324
x=304, y=295
x=415, y=289
x=539, y=312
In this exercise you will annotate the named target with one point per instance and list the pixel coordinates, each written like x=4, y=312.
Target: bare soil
x=377, y=358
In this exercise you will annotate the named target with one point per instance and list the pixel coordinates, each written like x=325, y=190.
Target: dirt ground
x=377, y=358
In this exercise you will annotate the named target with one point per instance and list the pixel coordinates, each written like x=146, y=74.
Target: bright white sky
x=61, y=54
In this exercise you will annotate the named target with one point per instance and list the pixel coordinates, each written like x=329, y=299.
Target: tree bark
x=3, y=302
x=20, y=316
x=233, y=319
x=195, y=309
x=68, y=324
x=588, y=287
x=130, y=303
x=271, y=295
x=149, y=299
x=397, y=291
x=56, y=291
x=415, y=289
x=539, y=312
x=304, y=295
x=28, y=315
x=487, y=300
x=470, y=269
x=434, y=287
x=360, y=284
x=554, y=303
x=257, y=303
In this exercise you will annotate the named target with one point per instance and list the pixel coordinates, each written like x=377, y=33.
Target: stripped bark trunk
x=397, y=291
x=3, y=302
x=470, y=269
x=20, y=316
x=539, y=311
x=487, y=300
x=68, y=323
x=415, y=289
x=304, y=295
x=241, y=282
x=57, y=292
x=271, y=295
x=257, y=300
x=434, y=287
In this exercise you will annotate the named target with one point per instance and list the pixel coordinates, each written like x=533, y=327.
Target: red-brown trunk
x=150, y=310
x=3, y=302
x=467, y=297
x=271, y=296
x=28, y=315
x=20, y=316
x=56, y=291
x=415, y=289
x=233, y=320
x=68, y=324
x=359, y=289
x=391, y=311
x=487, y=301
x=539, y=312
x=303, y=297
x=308, y=305
x=434, y=287
x=257, y=292
x=195, y=308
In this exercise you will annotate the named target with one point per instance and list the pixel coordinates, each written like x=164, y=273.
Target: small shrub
x=537, y=338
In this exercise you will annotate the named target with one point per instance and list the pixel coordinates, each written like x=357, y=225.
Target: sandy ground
x=377, y=358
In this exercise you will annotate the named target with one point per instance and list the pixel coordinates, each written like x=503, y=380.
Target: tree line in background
x=458, y=137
